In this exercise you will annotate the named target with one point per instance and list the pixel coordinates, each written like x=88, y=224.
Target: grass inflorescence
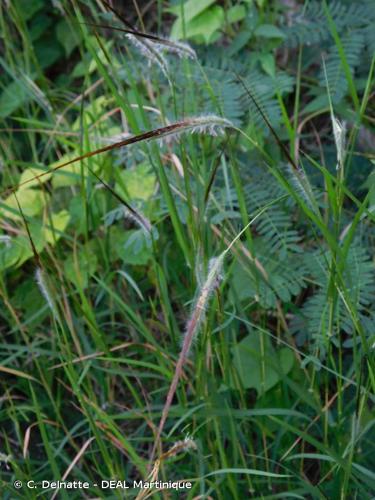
x=198, y=309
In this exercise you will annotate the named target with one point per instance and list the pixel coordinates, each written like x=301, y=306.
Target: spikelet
x=122, y=212
x=150, y=52
x=115, y=138
x=138, y=218
x=160, y=46
x=208, y=124
x=302, y=186
x=43, y=287
x=339, y=134
x=181, y=49
x=205, y=124
x=211, y=283
x=339, y=128
x=179, y=447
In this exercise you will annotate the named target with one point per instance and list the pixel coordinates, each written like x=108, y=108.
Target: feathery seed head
x=206, y=124
x=150, y=52
x=180, y=446
x=302, y=185
x=43, y=287
x=210, y=284
x=123, y=212
x=138, y=218
x=162, y=45
x=210, y=124
x=339, y=134
x=181, y=49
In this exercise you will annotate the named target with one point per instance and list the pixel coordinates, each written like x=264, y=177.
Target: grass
x=130, y=357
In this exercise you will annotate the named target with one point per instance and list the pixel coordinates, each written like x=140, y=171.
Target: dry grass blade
x=97, y=354
x=74, y=462
x=17, y=373
x=26, y=441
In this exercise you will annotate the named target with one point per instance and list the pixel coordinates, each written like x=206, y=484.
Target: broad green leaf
x=27, y=8
x=79, y=269
x=19, y=249
x=23, y=241
x=32, y=202
x=48, y=51
x=39, y=25
x=81, y=68
x=235, y=14
x=10, y=254
x=88, y=64
x=29, y=174
x=27, y=298
x=13, y=97
x=91, y=112
x=130, y=246
x=55, y=226
x=267, y=61
x=101, y=55
x=68, y=38
x=66, y=176
x=190, y=9
x=319, y=102
x=269, y=31
x=137, y=183
x=203, y=26
x=258, y=365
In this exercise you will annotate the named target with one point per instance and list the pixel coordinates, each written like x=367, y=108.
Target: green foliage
x=257, y=363
x=313, y=319
x=202, y=21
x=309, y=27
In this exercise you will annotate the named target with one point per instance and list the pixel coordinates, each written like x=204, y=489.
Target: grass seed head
x=44, y=289
x=181, y=49
x=179, y=447
x=151, y=52
x=339, y=134
x=139, y=219
x=210, y=284
x=302, y=185
x=205, y=124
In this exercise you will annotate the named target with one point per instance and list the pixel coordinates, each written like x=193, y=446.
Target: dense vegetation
x=187, y=247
